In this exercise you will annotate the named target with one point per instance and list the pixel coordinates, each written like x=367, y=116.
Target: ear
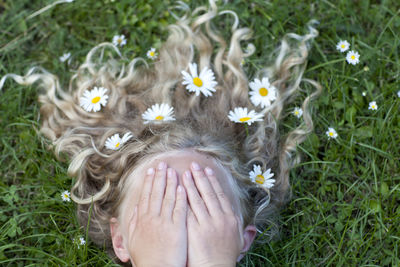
x=249, y=233
x=118, y=241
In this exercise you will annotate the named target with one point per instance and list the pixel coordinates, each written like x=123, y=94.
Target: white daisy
x=119, y=40
x=65, y=57
x=263, y=179
x=66, y=196
x=398, y=93
x=204, y=83
x=152, y=53
x=115, y=142
x=262, y=92
x=343, y=46
x=158, y=113
x=298, y=112
x=353, y=57
x=331, y=133
x=240, y=115
x=373, y=105
x=94, y=99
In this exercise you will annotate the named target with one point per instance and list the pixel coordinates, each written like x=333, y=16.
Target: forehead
x=181, y=160
x=178, y=160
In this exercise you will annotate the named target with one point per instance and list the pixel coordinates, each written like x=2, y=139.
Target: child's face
x=239, y=237
x=180, y=161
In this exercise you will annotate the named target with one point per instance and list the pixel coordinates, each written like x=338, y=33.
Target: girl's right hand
x=157, y=232
x=214, y=231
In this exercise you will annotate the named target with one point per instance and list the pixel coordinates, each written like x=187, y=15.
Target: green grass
x=346, y=193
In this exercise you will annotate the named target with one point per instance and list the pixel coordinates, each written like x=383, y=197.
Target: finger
x=157, y=193
x=146, y=191
x=206, y=190
x=181, y=206
x=222, y=197
x=170, y=194
x=191, y=220
x=196, y=202
x=133, y=222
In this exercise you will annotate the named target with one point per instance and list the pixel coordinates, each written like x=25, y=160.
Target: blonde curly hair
x=201, y=122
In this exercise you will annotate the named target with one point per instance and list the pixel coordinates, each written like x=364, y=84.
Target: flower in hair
x=297, y=112
x=94, y=99
x=65, y=57
x=373, y=105
x=65, y=196
x=343, y=46
x=353, y=57
x=119, y=40
x=115, y=142
x=262, y=92
x=331, y=133
x=158, y=113
x=152, y=53
x=263, y=179
x=204, y=83
x=240, y=115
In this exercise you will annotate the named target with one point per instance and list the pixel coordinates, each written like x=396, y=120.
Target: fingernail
x=179, y=189
x=195, y=166
x=169, y=172
x=187, y=174
x=150, y=171
x=209, y=171
x=162, y=165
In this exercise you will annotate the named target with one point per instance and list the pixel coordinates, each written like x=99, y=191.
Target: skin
x=180, y=202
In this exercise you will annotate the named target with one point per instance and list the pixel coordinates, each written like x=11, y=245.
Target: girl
x=177, y=163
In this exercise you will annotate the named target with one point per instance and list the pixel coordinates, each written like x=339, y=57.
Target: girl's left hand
x=215, y=233
x=157, y=232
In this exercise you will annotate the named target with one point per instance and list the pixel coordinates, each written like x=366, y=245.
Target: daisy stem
x=247, y=129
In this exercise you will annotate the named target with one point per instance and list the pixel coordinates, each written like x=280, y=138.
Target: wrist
x=221, y=265
x=160, y=265
x=230, y=264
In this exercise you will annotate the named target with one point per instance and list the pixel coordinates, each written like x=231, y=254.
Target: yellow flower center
x=373, y=106
x=263, y=91
x=244, y=119
x=118, y=144
x=296, y=112
x=66, y=196
x=119, y=40
x=343, y=46
x=330, y=133
x=260, y=179
x=353, y=57
x=197, y=81
x=152, y=53
x=159, y=118
x=95, y=99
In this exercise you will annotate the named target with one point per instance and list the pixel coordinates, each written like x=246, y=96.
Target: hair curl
x=201, y=122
